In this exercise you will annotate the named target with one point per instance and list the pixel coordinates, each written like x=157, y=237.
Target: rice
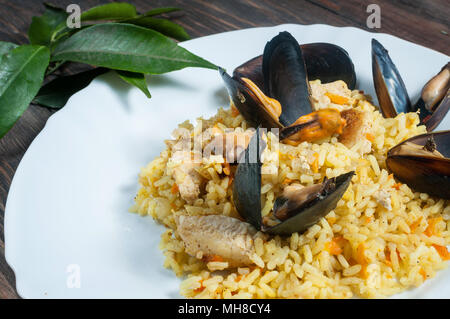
x=381, y=239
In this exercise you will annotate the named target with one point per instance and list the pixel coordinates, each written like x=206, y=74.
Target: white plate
x=67, y=205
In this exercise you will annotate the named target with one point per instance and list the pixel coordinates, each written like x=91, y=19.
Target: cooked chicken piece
x=230, y=145
x=181, y=141
x=383, y=198
x=217, y=235
x=320, y=93
x=356, y=130
x=188, y=180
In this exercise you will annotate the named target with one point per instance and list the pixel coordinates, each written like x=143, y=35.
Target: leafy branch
x=113, y=36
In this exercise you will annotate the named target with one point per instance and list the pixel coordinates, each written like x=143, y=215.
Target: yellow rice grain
x=398, y=250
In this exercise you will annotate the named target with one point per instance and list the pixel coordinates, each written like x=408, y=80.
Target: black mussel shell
x=328, y=63
x=422, y=172
x=247, y=103
x=391, y=91
x=324, y=61
x=247, y=194
x=252, y=69
x=307, y=216
x=285, y=77
x=247, y=182
x=434, y=101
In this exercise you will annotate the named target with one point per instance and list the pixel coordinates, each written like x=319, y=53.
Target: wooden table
x=424, y=22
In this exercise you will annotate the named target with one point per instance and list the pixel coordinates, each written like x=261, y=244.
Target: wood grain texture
x=424, y=22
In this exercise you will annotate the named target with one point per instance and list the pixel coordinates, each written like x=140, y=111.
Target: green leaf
x=127, y=47
x=158, y=11
x=136, y=79
x=56, y=93
x=110, y=11
x=42, y=28
x=163, y=26
x=5, y=47
x=21, y=75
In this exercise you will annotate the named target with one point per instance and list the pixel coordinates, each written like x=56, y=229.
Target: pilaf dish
x=331, y=215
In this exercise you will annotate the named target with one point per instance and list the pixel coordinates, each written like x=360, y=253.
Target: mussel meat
x=393, y=97
x=434, y=101
x=296, y=209
x=423, y=163
x=313, y=127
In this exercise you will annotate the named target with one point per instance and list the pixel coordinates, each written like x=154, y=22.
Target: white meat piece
x=358, y=126
x=217, y=235
x=383, y=198
x=189, y=181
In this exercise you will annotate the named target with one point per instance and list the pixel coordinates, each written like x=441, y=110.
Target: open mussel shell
x=421, y=169
x=285, y=81
x=434, y=101
x=324, y=61
x=247, y=182
x=391, y=91
x=247, y=103
x=285, y=77
x=431, y=119
x=247, y=195
x=307, y=216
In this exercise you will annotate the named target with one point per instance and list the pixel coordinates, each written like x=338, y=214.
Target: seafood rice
x=381, y=239
x=327, y=198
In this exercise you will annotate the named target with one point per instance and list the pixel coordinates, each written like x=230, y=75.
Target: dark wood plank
x=419, y=21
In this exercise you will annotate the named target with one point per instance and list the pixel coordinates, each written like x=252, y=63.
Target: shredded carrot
x=387, y=253
x=234, y=111
x=370, y=137
x=430, y=231
x=362, y=260
x=287, y=181
x=333, y=248
x=230, y=181
x=315, y=163
x=337, y=99
x=281, y=155
x=368, y=220
x=397, y=186
x=423, y=273
x=201, y=288
x=226, y=168
x=173, y=205
x=216, y=258
x=238, y=278
x=443, y=251
x=360, y=255
x=391, y=176
x=174, y=188
x=416, y=224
